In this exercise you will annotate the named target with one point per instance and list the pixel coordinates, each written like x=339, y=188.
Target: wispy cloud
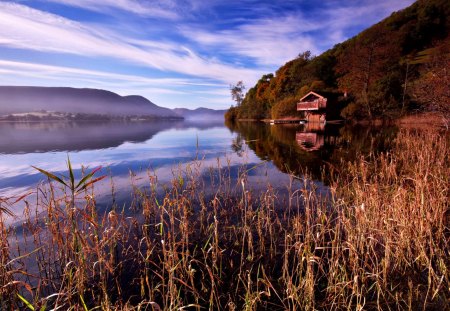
x=197, y=46
x=27, y=28
x=160, y=9
x=343, y=20
x=60, y=71
x=269, y=42
x=279, y=37
x=188, y=92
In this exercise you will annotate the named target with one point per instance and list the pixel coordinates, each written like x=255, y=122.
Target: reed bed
x=380, y=241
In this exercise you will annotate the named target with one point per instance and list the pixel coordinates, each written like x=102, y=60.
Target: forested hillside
x=394, y=67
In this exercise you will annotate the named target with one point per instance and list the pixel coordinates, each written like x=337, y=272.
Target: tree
x=367, y=59
x=237, y=92
x=432, y=89
x=285, y=108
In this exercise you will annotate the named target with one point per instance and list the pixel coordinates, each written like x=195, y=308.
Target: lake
x=130, y=153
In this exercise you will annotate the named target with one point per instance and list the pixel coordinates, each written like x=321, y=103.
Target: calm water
x=130, y=152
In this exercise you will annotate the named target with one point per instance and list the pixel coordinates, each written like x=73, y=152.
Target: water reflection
x=297, y=149
x=17, y=137
x=311, y=137
x=131, y=152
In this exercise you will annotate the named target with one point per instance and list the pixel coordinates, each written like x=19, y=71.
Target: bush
x=285, y=108
x=231, y=114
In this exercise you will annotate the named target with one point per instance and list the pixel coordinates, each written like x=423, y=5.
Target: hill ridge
x=76, y=100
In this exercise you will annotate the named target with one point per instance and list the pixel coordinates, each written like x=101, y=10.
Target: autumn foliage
x=383, y=69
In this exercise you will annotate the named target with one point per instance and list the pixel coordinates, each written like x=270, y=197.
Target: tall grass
x=379, y=241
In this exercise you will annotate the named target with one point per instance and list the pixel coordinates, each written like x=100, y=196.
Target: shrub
x=285, y=108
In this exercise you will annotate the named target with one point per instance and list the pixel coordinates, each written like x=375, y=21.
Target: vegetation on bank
x=40, y=116
x=394, y=67
x=379, y=240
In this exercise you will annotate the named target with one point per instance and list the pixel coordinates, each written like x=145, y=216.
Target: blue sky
x=176, y=53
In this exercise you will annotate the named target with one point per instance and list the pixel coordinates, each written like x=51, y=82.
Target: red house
x=314, y=106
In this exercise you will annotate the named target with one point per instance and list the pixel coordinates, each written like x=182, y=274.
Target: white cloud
x=257, y=42
x=27, y=28
x=48, y=71
x=338, y=17
x=168, y=92
x=160, y=9
x=271, y=42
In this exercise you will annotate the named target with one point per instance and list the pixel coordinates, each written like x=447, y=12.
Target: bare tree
x=237, y=92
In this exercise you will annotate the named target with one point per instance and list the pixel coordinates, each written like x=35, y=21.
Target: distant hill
x=200, y=114
x=396, y=66
x=65, y=100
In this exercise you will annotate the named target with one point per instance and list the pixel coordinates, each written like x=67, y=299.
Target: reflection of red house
x=314, y=127
x=310, y=141
x=314, y=106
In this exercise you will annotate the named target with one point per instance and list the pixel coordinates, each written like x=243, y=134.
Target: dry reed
x=379, y=241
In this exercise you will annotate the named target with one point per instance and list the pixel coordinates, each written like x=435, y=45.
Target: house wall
x=315, y=117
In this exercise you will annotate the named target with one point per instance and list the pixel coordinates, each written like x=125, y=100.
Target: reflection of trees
x=361, y=140
x=237, y=145
x=278, y=143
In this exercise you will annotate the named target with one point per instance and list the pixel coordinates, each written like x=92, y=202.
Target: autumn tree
x=432, y=89
x=285, y=108
x=374, y=69
x=366, y=60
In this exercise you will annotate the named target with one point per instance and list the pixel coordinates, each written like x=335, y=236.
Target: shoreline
x=421, y=120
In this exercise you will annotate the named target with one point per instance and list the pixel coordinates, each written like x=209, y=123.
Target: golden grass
x=381, y=241
x=423, y=121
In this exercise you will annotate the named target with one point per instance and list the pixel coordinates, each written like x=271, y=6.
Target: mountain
x=200, y=114
x=25, y=99
x=396, y=66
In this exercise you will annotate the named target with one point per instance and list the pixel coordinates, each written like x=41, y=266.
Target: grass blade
x=29, y=305
x=85, y=178
x=72, y=178
x=50, y=175
x=6, y=211
x=83, y=303
x=90, y=183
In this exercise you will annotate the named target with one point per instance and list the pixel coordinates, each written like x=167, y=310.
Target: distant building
x=314, y=106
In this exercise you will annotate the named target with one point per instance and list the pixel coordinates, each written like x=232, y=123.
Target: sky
x=176, y=53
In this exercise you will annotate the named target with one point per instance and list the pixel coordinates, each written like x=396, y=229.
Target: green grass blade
x=29, y=305
x=25, y=255
x=90, y=183
x=83, y=303
x=51, y=176
x=85, y=178
x=72, y=178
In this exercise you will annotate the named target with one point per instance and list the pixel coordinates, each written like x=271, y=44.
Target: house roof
x=311, y=93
